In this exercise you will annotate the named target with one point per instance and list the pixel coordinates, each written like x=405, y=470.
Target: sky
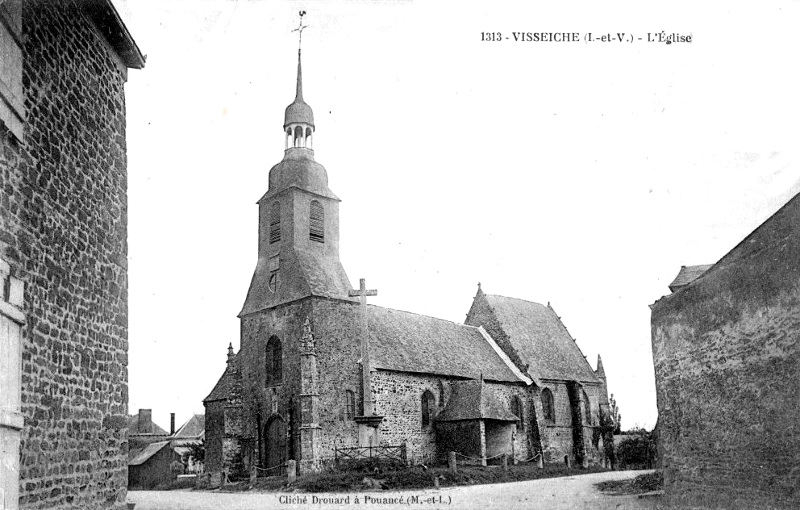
x=579, y=174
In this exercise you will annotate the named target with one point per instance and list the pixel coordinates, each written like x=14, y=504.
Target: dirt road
x=574, y=492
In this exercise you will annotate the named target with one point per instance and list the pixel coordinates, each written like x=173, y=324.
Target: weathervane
x=299, y=29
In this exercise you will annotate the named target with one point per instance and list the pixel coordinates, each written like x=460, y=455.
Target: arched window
x=298, y=136
x=349, y=405
x=587, y=408
x=516, y=409
x=275, y=223
x=316, y=228
x=274, y=363
x=428, y=403
x=548, y=410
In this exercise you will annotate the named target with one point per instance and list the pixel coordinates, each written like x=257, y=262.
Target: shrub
x=637, y=451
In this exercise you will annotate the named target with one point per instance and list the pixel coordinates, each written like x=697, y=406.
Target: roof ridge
x=516, y=299
x=422, y=315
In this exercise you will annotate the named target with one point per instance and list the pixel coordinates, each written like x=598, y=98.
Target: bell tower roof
x=298, y=221
x=299, y=112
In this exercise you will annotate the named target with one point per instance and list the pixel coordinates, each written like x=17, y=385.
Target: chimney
x=171, y=424
x=145, y=423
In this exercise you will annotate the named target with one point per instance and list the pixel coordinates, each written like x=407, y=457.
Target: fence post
x=505, y=462
x=291, y=469
x=253, y=474
x=540, y=462
x=451, y=462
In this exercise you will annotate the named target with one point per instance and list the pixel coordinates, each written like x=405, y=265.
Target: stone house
x=152, y=450
x=190, y=433
x=63, y=253
x=726, y=351
x=320, y=372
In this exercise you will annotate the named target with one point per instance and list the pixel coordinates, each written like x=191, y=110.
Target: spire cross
x=300, y=28
x=366, y=378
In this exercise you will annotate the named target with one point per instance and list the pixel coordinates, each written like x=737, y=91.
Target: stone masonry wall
x=337, y=333
x=399, y=400
x=63, y=229
x=215, y=430
x=262, y=400
x=557, y=435
x=726, y=351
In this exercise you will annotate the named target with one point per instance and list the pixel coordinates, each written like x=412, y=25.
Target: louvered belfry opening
x=275, y=223
x=316, y=230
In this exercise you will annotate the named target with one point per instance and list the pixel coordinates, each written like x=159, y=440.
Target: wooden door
x=275, y=442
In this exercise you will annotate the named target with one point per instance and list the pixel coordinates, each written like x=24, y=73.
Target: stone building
x=726, y=350
x=152, y=451
x=319, y=371
x=63, y=246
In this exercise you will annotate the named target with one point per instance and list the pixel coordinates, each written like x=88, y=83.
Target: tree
x=615, y=415
x=196, y=453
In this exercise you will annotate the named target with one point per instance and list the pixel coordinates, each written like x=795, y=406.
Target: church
x=321, y=374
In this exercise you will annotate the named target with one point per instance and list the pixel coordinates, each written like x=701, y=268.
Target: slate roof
x=224, y=385
x=139, y=457
x=471, y=401
x=132, y=425
x=309, y=274
x=193, y=428
x=108, y=20
x=687, y=275
x=541, y=340
x=408, y=342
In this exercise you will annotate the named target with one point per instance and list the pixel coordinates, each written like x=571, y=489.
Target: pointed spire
x=299, y=112
x=599, y=371
x=231, y=355
x=299, y=94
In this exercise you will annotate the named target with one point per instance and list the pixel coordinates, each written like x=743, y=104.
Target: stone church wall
x=557, y=434
x=399, y=400
x=335, y=326
x=215, y=412
x=727, y=359
x=262, y=400
x=337, y=333
x=63, y=230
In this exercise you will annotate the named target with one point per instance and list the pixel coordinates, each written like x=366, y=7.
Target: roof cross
x=300, y=28
x=362, y=292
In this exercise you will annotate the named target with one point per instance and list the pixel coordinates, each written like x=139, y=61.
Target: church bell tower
x=298, y=221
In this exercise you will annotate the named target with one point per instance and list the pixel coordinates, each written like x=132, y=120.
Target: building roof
x=224, y=385
x=192, y=429
x=299, y=112
x=311, y=274
x=541, y=340
x=108, y=20
x=760, y=264
x=408, y=342
x=687, y=275
x=139, y=457
x=471, y=401
x=132, y=424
